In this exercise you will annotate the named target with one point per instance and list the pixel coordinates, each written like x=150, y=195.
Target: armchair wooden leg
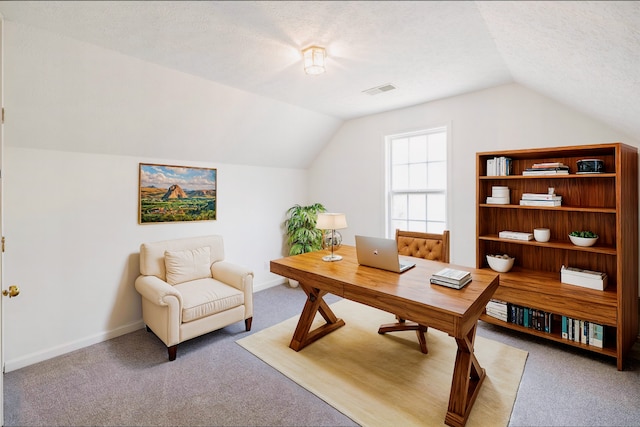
x=173, y=351
x=247, y=323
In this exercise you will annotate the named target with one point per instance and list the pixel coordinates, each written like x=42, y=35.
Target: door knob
x=13, y=291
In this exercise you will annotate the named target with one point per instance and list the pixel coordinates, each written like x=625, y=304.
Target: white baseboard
x=30, y=359
x=268, y=284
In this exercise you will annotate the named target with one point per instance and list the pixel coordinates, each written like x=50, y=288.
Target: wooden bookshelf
x=605, y=203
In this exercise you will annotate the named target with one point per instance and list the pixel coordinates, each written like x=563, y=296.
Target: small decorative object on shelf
x=583, y=238
x=590, y=166
x=541, y=234
x=500, y=263
x=499, y=196
x=585, y=278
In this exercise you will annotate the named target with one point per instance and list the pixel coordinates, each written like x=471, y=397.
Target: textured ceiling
x=583, y=54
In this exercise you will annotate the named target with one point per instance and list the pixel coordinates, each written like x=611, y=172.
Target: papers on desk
x=451, y=278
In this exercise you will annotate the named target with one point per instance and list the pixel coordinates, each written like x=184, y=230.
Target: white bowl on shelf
x=500, y=263
x=583, y=241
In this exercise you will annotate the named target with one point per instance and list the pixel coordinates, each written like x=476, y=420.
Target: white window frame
x=389, y=193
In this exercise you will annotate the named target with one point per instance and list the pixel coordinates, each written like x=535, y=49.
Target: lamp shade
x=331, y=221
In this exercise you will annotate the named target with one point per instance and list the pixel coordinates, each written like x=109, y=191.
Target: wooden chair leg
x=247, y=323
x=173, y=351
x=403, y=325
x=422, y=339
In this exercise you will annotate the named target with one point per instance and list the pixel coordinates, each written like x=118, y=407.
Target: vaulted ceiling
x=583, y=54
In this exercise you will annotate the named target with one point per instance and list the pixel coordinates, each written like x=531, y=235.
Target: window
x=417, y=181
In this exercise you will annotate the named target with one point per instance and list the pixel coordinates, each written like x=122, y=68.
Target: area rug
x=384, y=380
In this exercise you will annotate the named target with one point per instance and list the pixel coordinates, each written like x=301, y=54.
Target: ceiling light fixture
x=314, y=60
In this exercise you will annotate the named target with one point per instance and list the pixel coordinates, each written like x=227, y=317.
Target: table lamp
x=333, y=222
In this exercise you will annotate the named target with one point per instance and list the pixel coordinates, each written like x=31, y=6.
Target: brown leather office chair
x=420, y=245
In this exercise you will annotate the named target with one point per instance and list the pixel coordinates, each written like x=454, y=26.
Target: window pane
x=400, y=177
x=400, y=151
x=418, y=149
x=437, y=146
x=437, y=176
x=417, y=226
x=436, y=207
x=399, y=206
x=418, y=176
x=398, y=225
x=435, y=227
x=418, y=206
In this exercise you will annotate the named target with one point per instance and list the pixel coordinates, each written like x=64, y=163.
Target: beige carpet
x=383, y=380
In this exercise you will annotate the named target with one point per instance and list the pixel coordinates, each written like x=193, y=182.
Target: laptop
x=380, y=253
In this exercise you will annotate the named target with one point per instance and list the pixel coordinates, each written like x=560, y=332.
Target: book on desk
x=451, y=278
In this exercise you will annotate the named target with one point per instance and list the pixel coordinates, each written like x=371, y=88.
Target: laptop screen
x=380, y=253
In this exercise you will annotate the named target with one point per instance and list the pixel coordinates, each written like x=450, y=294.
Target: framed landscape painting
x=176, y=193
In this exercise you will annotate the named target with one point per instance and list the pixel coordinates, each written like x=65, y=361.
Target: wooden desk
x=408, y=295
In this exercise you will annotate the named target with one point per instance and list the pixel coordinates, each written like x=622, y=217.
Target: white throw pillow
x=184, y=266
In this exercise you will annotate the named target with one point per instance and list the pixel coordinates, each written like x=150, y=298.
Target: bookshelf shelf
x=605, y=203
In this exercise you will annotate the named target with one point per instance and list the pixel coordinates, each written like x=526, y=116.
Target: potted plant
x=300, y=229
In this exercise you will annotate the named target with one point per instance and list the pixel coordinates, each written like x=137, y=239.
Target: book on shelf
x=545, y=171
x=547, y=165
x=596, y=335
x=540, y=196
x=515, y=235
x=541, y=203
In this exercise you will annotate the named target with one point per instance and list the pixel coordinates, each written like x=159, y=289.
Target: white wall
x=348, y=176
x=82, y=118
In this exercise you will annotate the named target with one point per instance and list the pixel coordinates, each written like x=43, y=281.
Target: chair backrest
x=424, y=245
x=152, y=254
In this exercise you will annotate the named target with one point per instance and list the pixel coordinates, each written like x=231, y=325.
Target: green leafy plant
x=300, y=228
x=585, y=234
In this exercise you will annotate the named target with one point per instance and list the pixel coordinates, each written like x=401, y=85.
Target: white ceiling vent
x=379, y=89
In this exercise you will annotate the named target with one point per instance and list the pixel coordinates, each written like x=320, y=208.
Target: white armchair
x=189, y=290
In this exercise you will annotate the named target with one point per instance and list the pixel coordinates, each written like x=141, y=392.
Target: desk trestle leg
x=303, y=335
x=467, y=378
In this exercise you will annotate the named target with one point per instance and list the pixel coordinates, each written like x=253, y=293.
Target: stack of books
x=451, y=278
x=499, y=166
x=498, y=309
x=551, y=168
x=534, y=199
